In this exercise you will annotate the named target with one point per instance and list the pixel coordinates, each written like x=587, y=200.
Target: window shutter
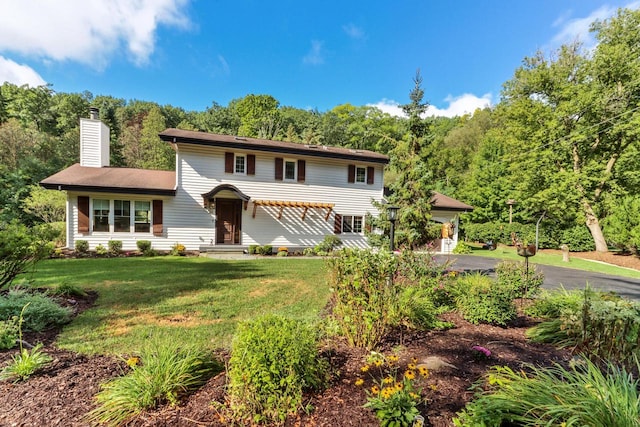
x=370, y=174
x=251, y=164
x=302, y=164
x=352, y=174
x=83, y=214
x=337, y=224
x=279, y=168
x=228, y=162
x=157, y=218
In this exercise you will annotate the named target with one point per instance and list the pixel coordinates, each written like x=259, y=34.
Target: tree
x=47, y=205
x=157, y=154
x=20, y=249
x=259, y=116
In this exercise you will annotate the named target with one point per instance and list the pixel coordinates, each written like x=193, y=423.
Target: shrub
x=482, y=300
x=82, y=246
x=328, y=244
x=266, y=250
x=513, y=275
x=585, y=396
x=273, y=361
x=25, y=363
x=578, y=239
x=164, y=375
x=8, y=333
x=115, y=246
x=178, y=249
x=360, y=280
x=20, y=249
x=144, y=246
x=282, y=253
x=601, y=327
x=254, y=249
x=41, y=312
x=462, y=248
x=308, y=252
x=101, y=250
x=622, y=226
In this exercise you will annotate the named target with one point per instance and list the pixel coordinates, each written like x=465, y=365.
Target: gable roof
x=440, y=202
x=113, y=180
x=235, y=142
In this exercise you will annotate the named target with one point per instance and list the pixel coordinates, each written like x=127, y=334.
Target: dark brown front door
x=228, y=214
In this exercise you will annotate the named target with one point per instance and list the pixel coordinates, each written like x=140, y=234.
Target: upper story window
x=290, y=170
x=240, y=163
x=360, y=174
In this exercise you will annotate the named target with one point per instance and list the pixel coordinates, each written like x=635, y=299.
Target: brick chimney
x=94, y=141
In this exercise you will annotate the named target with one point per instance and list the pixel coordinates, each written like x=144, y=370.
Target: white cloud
x=224, y=64
x=18, y=74
x=315, y=55
x=86, y=31
x=577, y=29
x=457, y=106
x=353, y=31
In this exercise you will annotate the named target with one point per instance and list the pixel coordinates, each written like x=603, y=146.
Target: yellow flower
x=375, y=389
x=133, y=361
x=387, y=380
x=415, y=396
x=399, y=386
x=387, y=392
x=359, y=382
x=433, y=387
x=365, y=368
x=414, y=360
x=423, y=371
x=409, y=374
x=411, y=366
x=378, y=362
x=392, y=358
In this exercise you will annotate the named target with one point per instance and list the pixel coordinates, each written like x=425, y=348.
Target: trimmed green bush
x=266, y=250
x=115, y=246
x=482, y=300
x=144, y=246
x=254, y=249
x=42, y=312
x=82, y=246
x=462, y=248
x=101, y=250
x=581, y=396
x=164, y=374
x=273, y=361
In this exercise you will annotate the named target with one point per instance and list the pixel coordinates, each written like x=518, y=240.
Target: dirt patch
x=63, y=393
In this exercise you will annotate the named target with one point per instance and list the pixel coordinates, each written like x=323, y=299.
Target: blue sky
x=190, y=53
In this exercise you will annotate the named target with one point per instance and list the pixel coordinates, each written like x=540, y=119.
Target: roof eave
x=100, y=189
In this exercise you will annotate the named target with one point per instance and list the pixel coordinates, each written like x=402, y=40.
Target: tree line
x=562, y=143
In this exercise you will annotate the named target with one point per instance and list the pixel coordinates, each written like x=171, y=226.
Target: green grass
x=509, y=253
x=190, y=300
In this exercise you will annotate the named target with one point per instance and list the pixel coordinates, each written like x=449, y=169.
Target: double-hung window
x=290, y=170
x=100, y=215
x=361, y=174
x=240, y=164
x=121, y=215
x=352, y=224
x=142, y=217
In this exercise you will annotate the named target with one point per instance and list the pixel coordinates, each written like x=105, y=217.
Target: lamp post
x=392, y=211
x=511, y=202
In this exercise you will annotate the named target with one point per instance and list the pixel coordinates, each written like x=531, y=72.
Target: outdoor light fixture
x=392, y=212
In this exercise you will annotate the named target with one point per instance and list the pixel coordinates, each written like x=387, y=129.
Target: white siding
x=94, y=143
x=201, y=169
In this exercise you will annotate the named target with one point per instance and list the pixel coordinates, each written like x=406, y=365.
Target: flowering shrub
x=391, y=391
x=481, y=352
x=178, y=249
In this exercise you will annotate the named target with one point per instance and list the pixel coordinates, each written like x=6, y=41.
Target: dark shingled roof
x=236, y=142
x=113, y=180
x=440, y=202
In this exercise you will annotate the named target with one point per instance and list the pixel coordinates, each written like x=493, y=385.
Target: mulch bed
x=63, y=393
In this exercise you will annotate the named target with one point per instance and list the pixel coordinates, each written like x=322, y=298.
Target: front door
x=228, y=214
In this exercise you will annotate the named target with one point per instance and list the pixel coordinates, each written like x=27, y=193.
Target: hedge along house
x=226, y=192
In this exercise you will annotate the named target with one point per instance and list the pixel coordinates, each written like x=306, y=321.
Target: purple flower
x=482, y=350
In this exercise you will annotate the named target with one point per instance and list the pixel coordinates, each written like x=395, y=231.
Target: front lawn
x=190, y=300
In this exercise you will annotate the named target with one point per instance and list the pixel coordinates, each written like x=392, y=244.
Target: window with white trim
x=290, y=170
x=352, y=224
x=100, y=215
x=142, y=217
x=240, y=163
x=361, y=174
x=116, y=216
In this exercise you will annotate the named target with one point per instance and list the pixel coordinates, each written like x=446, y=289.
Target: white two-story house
x=225, y=192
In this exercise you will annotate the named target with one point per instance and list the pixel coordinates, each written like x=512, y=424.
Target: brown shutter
x=301, y=170
x=352, y=174
x=337, y=224
x=370, y=174
x=83, y=214
x=251, y=164
x=279, y=168
x=228, y=162
x=157, y=218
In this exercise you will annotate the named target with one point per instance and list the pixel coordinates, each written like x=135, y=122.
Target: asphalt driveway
x=554, y=277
